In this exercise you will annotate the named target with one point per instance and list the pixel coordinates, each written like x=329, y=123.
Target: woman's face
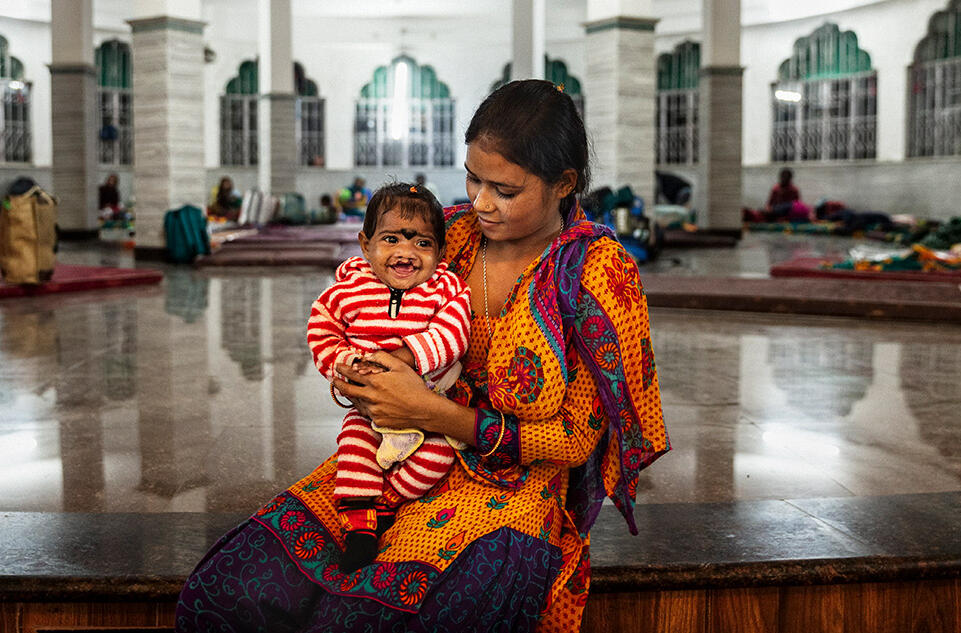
x=512, y=204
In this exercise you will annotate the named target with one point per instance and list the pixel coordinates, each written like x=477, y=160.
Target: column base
x=150, y=253
x=77, y=235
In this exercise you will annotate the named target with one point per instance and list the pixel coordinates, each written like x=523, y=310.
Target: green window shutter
x=943, y=38
x=681, y=68
x=824, y=54
x=113, y=65
x=555, y=71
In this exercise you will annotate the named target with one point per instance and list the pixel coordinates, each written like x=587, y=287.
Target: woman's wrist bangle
x=500, y=438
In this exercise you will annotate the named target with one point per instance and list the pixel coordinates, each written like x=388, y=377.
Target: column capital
x=714, y=71
x=72, y=69
x=166, y=23
x=621, y=22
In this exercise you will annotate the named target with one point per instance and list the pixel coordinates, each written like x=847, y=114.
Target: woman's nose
x=483, y=200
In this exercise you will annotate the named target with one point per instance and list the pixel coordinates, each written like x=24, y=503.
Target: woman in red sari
x=558, y=403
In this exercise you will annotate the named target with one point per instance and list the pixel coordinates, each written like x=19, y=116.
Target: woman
x=558, y=403
x=225, y=200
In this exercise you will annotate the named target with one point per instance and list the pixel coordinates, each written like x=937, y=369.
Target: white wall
x=340, y=45
x=888, y=30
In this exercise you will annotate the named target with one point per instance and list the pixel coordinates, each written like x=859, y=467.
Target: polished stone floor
x=198, y=395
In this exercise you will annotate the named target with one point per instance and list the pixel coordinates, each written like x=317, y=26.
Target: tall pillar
x=719, y=198
x=73, y=97
x=619, y=93
x=528, y=41
x=168, y=115
x=277, y=166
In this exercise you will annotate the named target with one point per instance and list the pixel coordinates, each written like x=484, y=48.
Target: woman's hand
x=394, y=398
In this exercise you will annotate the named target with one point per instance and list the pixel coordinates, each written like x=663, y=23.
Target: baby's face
x=402, y=252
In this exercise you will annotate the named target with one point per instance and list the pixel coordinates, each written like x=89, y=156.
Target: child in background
x=401, y=299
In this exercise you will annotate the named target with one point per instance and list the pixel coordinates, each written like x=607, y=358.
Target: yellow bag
x=28, y=236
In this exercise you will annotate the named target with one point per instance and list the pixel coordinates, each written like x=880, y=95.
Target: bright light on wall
x=399, y=107
x=787, y=95
x=17, y=445
x=16, y=85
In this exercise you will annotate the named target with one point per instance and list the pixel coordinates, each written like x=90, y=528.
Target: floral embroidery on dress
x=525, y=375
x=399, y=585
x=623, y=286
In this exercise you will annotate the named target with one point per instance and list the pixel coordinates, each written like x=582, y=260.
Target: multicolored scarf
x=562, y=308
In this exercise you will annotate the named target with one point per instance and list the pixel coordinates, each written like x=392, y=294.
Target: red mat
x=811, y=267
x=67, y=278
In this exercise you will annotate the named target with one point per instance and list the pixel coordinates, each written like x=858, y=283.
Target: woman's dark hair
x=409, y=200
x=534, y=124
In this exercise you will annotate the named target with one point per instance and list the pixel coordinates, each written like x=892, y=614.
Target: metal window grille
x=15, y=138
x=934, y=126
x=825, y=119
x=115, y=145
x=310, y=131
x=238, y=130
x=677, y=135
x=428, y=141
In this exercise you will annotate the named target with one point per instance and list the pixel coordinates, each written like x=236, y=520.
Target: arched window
x=238, y=118
x=934, y=87
x=555, y=71
x=825, y=100
x=115, y=76
x=678, y=73
x=15, y=138
x=404, y=117
x=310, y=113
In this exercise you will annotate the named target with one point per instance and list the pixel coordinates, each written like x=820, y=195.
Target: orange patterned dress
x=570, y=366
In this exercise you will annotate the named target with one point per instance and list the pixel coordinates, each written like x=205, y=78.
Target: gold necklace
x=487, y=312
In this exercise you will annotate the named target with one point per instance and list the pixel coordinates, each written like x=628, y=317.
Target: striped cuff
x=422, y=356
x=487, y=428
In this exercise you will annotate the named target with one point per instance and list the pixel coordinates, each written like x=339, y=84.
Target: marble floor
x=198, y=395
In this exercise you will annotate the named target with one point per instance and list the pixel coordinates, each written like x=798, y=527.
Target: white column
x=719, y=199
x=619, y=94
x=73, y=88
x=528, y=40
x=722, y=33
x=168, y=116
x=276, y=135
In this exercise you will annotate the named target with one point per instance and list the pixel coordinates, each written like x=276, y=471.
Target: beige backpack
x=28, y=236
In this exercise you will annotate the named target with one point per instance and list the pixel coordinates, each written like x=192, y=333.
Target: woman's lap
x=248, y=582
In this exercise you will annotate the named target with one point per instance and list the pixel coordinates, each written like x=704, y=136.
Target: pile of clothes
x=938, y=251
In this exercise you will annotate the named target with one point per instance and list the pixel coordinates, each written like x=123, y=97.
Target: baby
x=401, y=299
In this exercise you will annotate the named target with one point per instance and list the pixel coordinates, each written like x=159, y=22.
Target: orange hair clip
x=560, y=87
x=413, y=189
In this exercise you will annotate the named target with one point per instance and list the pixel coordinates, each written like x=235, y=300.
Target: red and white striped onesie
x=352, y=317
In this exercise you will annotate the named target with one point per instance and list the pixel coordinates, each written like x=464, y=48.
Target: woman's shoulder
x=607, y=264
x=603, y=248
x=461, y=226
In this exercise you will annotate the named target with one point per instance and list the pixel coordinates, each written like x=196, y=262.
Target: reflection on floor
x=199, y=396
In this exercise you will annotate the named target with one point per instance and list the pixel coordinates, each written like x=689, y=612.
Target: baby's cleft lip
x=403, y=268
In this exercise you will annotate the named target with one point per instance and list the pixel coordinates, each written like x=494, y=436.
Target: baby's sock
x=386, y=507
x=359, y=519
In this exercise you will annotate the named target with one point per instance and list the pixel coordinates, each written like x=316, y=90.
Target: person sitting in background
x=108, y=196
x=353, y=199
x=783, y=195
x=225, y=200
x=328, y=213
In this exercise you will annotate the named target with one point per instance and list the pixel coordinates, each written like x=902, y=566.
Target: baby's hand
x=367, y=367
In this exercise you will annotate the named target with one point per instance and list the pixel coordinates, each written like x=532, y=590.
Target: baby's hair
x=409, y=200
